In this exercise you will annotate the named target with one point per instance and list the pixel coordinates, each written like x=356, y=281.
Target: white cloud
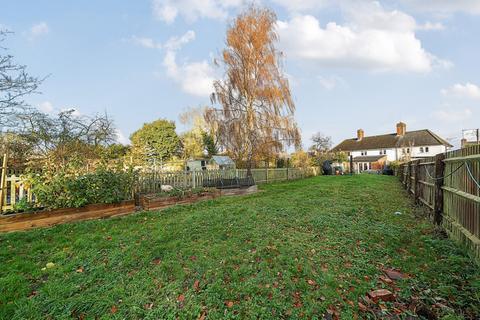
x=121, y=138
x=195, y=78
x=467, y=90
x=146, y=42
x=453, y=115
x=169, y=10
x=330, y=83
x=372, y=38
x=38, y=30
x=46, y=107
x=175, y=43
x=445, y=6
x=431, y=26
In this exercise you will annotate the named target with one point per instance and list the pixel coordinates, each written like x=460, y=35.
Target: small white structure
x=166, y=188
x=197, y=164
x=221, y=163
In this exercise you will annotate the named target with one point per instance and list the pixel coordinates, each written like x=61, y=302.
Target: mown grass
x=293, y=250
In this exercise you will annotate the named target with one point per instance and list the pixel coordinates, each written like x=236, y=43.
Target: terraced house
x=374, y=152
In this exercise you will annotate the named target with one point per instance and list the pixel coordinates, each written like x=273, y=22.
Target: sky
x=351, y=63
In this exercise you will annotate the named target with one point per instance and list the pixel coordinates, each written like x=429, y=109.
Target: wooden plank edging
x=27, y=221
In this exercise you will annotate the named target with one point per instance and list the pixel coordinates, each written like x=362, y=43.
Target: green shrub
x=64, y=190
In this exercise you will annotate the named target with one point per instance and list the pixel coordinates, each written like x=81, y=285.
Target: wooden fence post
x=3, y=181
x=193, y=179
x=407, y=178
x=439, y=175
x=416, y=193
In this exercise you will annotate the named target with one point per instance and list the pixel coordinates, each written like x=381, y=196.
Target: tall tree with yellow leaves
x=256, y=114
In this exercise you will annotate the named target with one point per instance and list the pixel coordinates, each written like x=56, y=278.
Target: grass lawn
x=305, y=249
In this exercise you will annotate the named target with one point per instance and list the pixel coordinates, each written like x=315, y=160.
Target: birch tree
x=256, y=106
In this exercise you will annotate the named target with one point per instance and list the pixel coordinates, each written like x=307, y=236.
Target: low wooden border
x=150, y=202
x=26, y=221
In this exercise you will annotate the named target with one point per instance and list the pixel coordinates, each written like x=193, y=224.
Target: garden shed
x=221, y=163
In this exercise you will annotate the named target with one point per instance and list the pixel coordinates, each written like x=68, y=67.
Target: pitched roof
x=416, y=138
x=223, y=160
x=368, y=158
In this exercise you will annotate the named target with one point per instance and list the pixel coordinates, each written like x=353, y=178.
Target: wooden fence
x=13, y=191
x=151, y=182
x=449, y=184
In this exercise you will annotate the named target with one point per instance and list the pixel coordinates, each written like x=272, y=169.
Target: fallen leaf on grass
x=196, y=285
x=311, y=282
x=157, y=261
x=386, y=280
x=362, y=307
x=148, y=306
x=229, y=304
x=113, y=309
x=79, y=270
x=381, y=295
x=181, y=298
x=394, y=274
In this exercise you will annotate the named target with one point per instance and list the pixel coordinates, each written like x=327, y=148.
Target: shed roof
x=416, y=138
x=223, y=160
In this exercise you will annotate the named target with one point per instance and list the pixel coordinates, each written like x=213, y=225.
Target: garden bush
x=66, y=190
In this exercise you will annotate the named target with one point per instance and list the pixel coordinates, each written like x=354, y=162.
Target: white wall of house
x=395, y=154
x=390, y=153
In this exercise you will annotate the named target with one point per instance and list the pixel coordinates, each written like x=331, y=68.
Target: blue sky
x=352, y=64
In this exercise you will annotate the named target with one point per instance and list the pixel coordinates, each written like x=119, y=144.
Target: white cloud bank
x=467, y=90
x=195, y=78
x=372, y=38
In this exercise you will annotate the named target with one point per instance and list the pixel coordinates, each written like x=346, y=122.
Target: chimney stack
x=401, y=129
x=360, y=134
x=463, y=142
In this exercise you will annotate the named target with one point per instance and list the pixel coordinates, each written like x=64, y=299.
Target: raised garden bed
x=25, y=221
x=163, y=200
x=239, y=191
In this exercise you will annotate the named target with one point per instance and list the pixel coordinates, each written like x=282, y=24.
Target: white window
x=364, y=153
x=427, y=149
x=408, y=150
x=421, y=150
